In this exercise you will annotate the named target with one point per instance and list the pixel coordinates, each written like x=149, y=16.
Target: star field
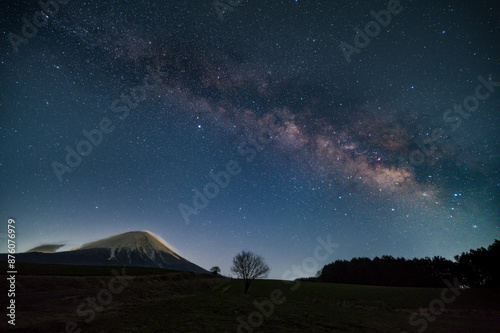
x=385, y=150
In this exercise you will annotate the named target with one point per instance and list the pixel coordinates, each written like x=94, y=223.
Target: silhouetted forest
x=476, y=268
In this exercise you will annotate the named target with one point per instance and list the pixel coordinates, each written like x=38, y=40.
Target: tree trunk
x=247, y=285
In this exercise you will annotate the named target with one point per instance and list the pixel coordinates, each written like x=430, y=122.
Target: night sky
x=385, y=140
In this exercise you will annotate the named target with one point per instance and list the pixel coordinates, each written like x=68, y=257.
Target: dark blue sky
x=386, y=145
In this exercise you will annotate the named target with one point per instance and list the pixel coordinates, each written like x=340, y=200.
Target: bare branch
x=249, y=266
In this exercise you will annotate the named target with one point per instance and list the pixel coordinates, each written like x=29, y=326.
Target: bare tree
x=249, y=266
x=215, y=270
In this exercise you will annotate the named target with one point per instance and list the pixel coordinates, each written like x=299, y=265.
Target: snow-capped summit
x=144, y=242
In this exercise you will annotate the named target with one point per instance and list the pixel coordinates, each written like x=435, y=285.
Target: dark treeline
x=476, y=268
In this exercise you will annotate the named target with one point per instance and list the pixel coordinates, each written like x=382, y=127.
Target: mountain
x=135, y=248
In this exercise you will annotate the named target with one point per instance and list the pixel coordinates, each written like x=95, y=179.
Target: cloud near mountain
x=46, y=248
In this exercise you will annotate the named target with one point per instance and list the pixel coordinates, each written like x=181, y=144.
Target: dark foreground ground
x=48, y=296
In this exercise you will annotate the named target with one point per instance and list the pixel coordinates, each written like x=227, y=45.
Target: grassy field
x=169, y=301
x=313, y=307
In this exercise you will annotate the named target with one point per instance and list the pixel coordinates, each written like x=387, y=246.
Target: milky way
x=342, y=138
